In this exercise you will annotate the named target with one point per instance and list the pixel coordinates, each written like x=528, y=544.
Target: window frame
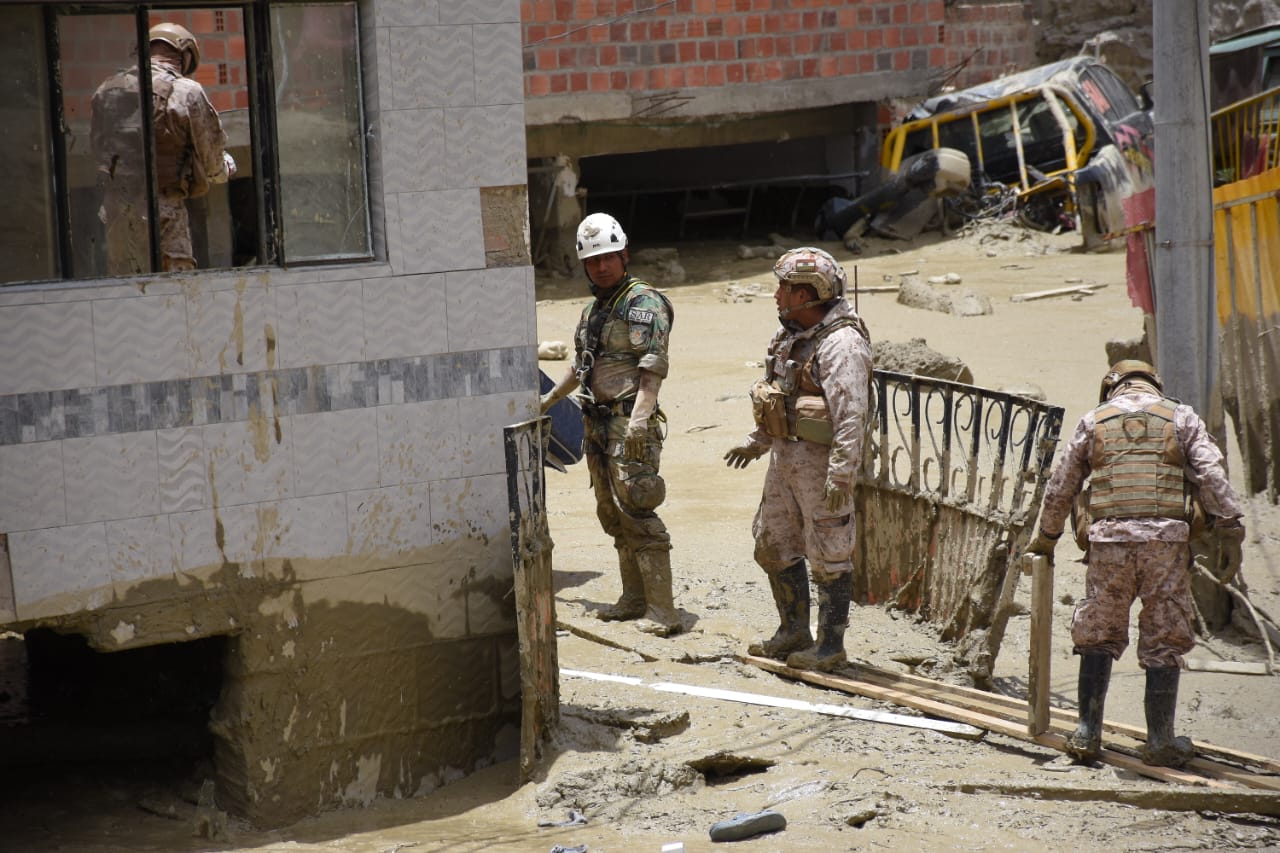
x=272, y=251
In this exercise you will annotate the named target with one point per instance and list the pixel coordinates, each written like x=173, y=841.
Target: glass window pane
x=27, y=237
x=102, y=136
x=320, y=123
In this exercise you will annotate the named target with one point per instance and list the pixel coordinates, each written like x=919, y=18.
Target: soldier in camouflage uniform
x=1142, y=453
x=619, y=363
x=189, y=154
x=811, y=413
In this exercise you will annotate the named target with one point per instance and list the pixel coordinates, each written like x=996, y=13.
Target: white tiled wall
x=413, y=488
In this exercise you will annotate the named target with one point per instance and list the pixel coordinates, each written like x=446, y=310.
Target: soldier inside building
x=189, y=154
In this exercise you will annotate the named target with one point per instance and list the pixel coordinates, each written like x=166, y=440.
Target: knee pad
x=646, y=491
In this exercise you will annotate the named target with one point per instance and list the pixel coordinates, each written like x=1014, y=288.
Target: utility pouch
x=769, y=407
x=813, y=420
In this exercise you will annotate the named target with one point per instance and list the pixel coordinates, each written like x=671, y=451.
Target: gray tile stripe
x=111, y=409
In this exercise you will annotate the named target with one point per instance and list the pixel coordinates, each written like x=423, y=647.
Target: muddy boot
x=1162, y=749
x=790, y=589
x=660, y=617
x=833, y=615
x=630, y=605
x=1085, y=743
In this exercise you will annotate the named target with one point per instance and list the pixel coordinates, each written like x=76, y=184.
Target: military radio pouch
x=813, y=420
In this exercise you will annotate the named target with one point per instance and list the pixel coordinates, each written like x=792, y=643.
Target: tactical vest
x=788, y=402
x=1137, y=464
x=121, y=141
x=602, y=334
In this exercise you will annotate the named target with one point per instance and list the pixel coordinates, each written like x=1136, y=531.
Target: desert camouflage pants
x=128, y=237
x=627, y=490
x=1155, y=572
x=792, y=521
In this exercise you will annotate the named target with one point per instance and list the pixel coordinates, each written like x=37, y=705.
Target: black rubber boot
x=790, y=589
x=1085, y=743
x=833, y=616
x=1162, y=748
x=630, y=605
x=660, y=616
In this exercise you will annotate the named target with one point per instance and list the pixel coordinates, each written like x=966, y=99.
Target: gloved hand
x=836, y=495
x=634, y=440
x=1042, y=543
x=744, y=454
x=230, y=163
x=1230, y=538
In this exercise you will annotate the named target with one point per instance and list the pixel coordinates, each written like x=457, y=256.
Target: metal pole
x=1186, y=321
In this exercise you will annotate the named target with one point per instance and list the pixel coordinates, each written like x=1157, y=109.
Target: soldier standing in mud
x=620, y=362
x=1143, y=453
x=189, y=154
x=811, y=412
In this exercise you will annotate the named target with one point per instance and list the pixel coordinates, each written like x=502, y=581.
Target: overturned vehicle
x=1061, y=147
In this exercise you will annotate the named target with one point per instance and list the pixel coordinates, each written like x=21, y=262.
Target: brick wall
x=989, y=39
x=602, y=46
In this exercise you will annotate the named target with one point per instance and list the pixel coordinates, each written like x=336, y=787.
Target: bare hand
x=744, y=454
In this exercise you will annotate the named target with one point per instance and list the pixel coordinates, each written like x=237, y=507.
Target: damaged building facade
x=258, y=510
x=737, y=116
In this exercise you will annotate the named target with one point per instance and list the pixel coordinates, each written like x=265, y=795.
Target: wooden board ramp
x=1007, y=715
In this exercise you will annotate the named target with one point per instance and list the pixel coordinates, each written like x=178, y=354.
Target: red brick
x=688, y=51
x=697, y=28
x=609, y=55
x=618, y=81
x=639, y=79
x=754, y=24
x=577, y=81
x=727, y=50
x=675, y=78
x=657, y=78
x=559, y=83
x=696, y=76
x=716, y=75
x=706, y=51
x=735, y=72
x=783, y=46
x=639, y=33
x=599, y=81
x=536, y=85
x=901, y=61
x=547, y=58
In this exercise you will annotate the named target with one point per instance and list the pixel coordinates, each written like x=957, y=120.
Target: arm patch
x=639, y=315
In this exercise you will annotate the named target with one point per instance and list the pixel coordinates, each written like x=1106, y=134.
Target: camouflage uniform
x=633, y=338
x=1146, y=558
x=792, y=522
x=188, y=159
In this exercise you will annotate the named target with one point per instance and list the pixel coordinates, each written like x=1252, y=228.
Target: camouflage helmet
x=180, y=39
x=814, y=267
x=1125, y=369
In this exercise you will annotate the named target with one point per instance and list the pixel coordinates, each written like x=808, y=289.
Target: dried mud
x=625, y=754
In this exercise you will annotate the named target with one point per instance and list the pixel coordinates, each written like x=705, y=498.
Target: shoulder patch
x=640, y=315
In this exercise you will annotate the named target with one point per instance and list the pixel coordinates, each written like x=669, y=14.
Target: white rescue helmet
x=180, y=39
x=599, y=234
x=814, y=267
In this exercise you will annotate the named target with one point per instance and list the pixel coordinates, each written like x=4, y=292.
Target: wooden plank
x=1038, y=665
x=991, y=722
x=1083, y=289
x=1225, y=802
x=1234, y=667
x=959, y=694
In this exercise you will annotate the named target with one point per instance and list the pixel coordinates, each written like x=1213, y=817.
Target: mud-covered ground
x=625, y=754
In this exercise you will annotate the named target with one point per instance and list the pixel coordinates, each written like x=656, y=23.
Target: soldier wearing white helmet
x=189, y=154
x=619, y=364
x=811, y=412
x=1142, y=453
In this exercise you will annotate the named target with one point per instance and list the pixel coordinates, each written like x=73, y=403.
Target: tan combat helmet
x=180, y=39
x=1125, y=369
x=814, y=267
